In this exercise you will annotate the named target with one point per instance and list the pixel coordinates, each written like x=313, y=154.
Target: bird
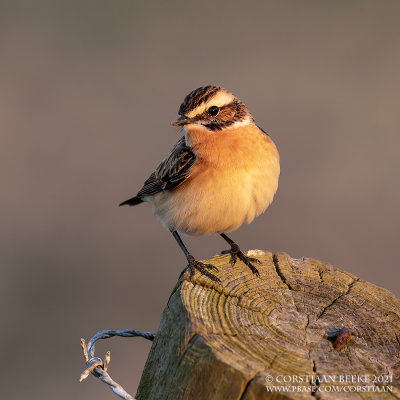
x=223, y=172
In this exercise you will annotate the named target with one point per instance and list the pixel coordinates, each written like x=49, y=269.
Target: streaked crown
x=213, y=107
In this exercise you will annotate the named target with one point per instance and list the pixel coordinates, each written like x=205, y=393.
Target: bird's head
x=213, y=108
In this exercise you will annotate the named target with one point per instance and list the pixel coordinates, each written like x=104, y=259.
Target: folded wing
x=170, y=173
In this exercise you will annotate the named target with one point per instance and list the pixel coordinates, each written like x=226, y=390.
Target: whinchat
x=223, y=172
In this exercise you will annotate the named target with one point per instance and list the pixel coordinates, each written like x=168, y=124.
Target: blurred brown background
x=87, y=92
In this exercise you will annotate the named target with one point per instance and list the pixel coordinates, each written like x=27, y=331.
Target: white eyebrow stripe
x=220, y=99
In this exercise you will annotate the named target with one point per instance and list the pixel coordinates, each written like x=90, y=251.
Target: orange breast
x=233, y=180
x=239, y=147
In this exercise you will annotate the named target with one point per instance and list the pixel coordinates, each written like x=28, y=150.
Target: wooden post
x=240, y=339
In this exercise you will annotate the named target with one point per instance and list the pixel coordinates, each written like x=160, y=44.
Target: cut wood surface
x=242, y=338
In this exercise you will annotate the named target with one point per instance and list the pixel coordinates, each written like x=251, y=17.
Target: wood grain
x=226, y=341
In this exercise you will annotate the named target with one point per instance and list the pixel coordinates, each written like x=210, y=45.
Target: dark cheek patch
x=226, y=114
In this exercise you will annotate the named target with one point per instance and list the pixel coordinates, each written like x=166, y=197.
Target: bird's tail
x=132, y=202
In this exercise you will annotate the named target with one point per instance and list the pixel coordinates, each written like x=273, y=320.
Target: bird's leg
x=236, y=253
x=193, y=264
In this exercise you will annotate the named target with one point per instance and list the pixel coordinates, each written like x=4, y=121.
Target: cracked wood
x=221, y=341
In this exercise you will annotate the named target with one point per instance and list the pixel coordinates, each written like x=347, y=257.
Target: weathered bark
x=228, y=341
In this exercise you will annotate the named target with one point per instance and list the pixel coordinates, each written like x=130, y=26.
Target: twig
x=98, y=368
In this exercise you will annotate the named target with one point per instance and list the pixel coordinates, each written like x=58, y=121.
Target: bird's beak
x=181, y=121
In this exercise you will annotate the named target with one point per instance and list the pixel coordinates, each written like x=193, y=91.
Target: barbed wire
x=97, y=367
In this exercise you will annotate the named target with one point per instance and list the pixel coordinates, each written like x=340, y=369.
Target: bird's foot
x=236, y=253
x=201, y=267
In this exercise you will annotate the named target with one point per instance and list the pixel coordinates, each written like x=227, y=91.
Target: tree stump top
x=235, y=339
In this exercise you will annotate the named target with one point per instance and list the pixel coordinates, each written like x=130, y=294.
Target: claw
x=236, y=253
x=248, y=261
x=233, y=254
x=202, y=268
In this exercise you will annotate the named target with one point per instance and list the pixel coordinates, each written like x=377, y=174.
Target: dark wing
x=169, y=174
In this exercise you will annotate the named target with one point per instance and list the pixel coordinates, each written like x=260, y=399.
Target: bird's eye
x=213, y=110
